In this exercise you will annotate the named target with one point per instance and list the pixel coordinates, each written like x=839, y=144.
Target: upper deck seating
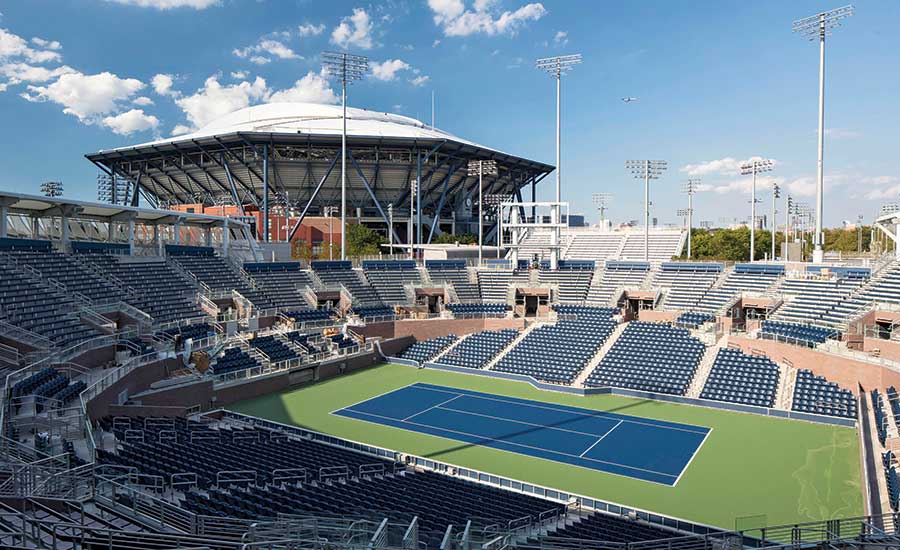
x=572, y=280
x=755, y=277
x=335, y=273
x=455, y=272
x=664, y=245
x=389, y=278
x=651, y=357
x=594, y=246
x=617, y=275
x=213, y=271
x=495, y=283
x=282, y=282
x=687, y=282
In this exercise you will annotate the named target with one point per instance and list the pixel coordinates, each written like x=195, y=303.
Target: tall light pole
x=390, y=213
x=819, y=26
x=776, y=193
x=646, y=170
x=690, y=188
x=754, y=167
x=52, y=188
x=347, y=67
x=602, y=201
x=859, y=221
x=497, y=200
x=413, y=189
x=557, y=67
x=330, y=211
x=479, y=168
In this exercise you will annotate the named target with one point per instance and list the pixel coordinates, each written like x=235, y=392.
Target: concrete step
x=595, y=360
x=704, y=368
x=515, y=342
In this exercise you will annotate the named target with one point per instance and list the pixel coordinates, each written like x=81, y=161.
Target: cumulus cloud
x=420, y=80
x=162, y=84
x=455, y=19
x=309, y=29
x=387, y=70
x=266, y=47
x=142, y=101
x=312, y=88
x=46, y=44
x=728, y=166
x=23, y=72
x=354, y=31
x=882, y=187
x=744, y=185
x=168, y=4
x=13, y=46
x=214, y=100
x=239, y=75
x=181, y=129
x=86, y=96
x=561, y=38
x=129, y=122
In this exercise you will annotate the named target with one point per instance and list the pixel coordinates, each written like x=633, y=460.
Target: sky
x=716, y=82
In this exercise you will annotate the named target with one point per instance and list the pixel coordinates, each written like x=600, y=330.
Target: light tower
x=557, y=66
x=479, y=168
x=646, y=170
x=497, y=200
x=347, y=67
x=754, y=167
x=690, y=188
x=776, y=193
x=52, y=188
x=602, y=201
x=819, y=26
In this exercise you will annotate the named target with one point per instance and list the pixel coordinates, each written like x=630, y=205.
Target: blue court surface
x=650, y=450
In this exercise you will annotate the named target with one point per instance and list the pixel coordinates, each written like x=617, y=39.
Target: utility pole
x=690, y=188
x=754, y=167
x=478, y=168
x=646, y=170
x=775, y=195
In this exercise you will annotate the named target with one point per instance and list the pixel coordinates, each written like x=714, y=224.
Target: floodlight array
x=817, y=26
x=558, y=65
x=52, y=188
x=757, y=166
x=345, y=66
x=646, y=169
x=486, y=167
x=691, y=186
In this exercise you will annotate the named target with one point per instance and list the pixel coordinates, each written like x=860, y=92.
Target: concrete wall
x=658, y=316
x=423, y=329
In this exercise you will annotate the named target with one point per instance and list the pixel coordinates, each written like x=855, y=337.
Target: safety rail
x=207, y=305
x=25, y=336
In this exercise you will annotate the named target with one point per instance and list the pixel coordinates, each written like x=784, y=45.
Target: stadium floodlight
x=754, y=167
x=52, y=188
x=479, y=168
x=819, y=26
x=690, y=188
x=413, y=189
x=497, y=200
x=347, y=67
x=646, y=170
x=890, y=208
x=602, y=201
x=859, y=222
x=557, y=67
x=776, y=193
x=329, y=212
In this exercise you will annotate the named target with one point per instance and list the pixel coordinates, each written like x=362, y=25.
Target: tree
x=362, y=241
x=448, y=238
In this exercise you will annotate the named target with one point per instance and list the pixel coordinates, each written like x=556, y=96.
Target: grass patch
x=791, y=471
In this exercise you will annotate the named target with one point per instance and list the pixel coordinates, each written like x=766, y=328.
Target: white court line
x=600, y=439
x=697, y=450
x=431, y=407
x=586, y=412
x=504, y=419
x=541, y=449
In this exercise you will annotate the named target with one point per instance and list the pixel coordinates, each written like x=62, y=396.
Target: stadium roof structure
x=285, y=155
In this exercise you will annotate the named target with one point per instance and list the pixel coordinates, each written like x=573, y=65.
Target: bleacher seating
x=477, y=350
x=894, y=405
x=806, y=335
x=495, y=283
x=233, y=359
x=892, y=480
x=740, y=378
x=308, y=315
x=193, y=331
x=880, y=416
x=426, y=350
x=67, y=271
x=371, y=312
x=652, y=357
x=478, y=310
x=282, y=282
x=814, y=299
x=594, y=246
x=216, y=273
x=755, y=277
x=572, y=280
x=389, y=279
x=455, y=273
x=814, y=394
x=608, y=528
x=275, y=350
x=687, y=282
x=663, y=245
x=335, y=273
x=693, y=319
x=558, y=353
x=617, y=275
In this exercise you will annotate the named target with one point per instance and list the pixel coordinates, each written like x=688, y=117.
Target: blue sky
x=717, y=82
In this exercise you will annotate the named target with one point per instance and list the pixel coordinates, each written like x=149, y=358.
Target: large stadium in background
x=283, y=157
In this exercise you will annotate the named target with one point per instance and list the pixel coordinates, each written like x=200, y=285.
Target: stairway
x=785, y=391
x=515, y=342
x=437, y=358
x=704, y=368
x=595, y=360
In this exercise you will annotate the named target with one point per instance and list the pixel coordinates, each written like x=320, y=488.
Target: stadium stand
x=743, y=278
x=572, y=280
x=336, y=273
x=495, y=283
x=478, y=310
x=274, y=349
x=617, y=275
x=476, y=350
x=216, y=273
x=894, y=405
x=691, y=319
x=558, y=353
x=880, y=416
x=813, y=299
x=282, y=282
x=687, y=282
x=814, y=394
x=892, y=480
x=651, y=357
x=603, y=527
x=389, y=278
x=664, y=245
x=233, y=359
x=594, y=246
x=740, y=378
x=807, y=335
x=426, y=350
x=454, y=272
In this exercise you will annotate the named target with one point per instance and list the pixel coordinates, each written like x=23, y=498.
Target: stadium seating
x=70, y=273
x=572, y=280
x=753, y=277
x=371, y=312
x=233, y=359
x=686, y=282
x=880, y=417
x=217, y=274
x=336, y=273
x=558, y=353
x=891, y=479
x=651, y=357
x=275, y=350
x=807, y=335
x=814, y=394
x=664, y=245
x=594, y=246
x=478, y=310
x=894, y=405
x=389, y=278
x=476, y=350
x=814, y=299
x=308, y=315
x=693, y=319
x=194, y=331
x=282, y=282
x=427, y=349
x=617, y=275
x=495, y=283
x=455, y=273
x=599, y=526
x=740, y=378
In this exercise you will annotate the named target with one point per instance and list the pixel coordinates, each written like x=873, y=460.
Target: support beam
x=266, y=193
x=226, y=235
x=440, y=205
x=312, y=198
x=371, y=194
x=131, y=237
x=234, y=193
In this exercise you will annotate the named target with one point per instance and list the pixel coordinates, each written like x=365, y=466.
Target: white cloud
x=162, y=84
x=744, y=185
x=214, y=100
x=354, y=31
x=728, y=166
x=312, y=88
x=387, y=70
x=86, y=96
x=267, y=47
x=142, y=101
x=13, y=46
x=436, y=43
x=168, y=4
x=420, y=80
x=455, y=20
x=23, y=72
x=47, y=44
x=561, y=38
x=309, y=29
x=130, y=122
x=181, y=129
x=3, y=86
x=239, y=75
x=887, y=187
x=260, y=60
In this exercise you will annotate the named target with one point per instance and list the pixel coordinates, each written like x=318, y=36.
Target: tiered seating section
x=572, y=279
x=740, y=378
x=213, y=271
x=687, y=282
x=455, y=273
x=650, y=357
x=880, y=416
x=477, y=350
x=891, y=479
x=814, y=394
x=495, y=283
x=807, y=335
x=274, y=350
x=233, y=360
x=335, y=273
x=594, y=244
x=478, y=310
x=426, y=350
x=617, y=275
x=390, y=278
x=693, y=319
x=597, y=527
x=743, y=278
x=814, y=300
x=282, y=282
x=664, y=245
x=558, y=353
